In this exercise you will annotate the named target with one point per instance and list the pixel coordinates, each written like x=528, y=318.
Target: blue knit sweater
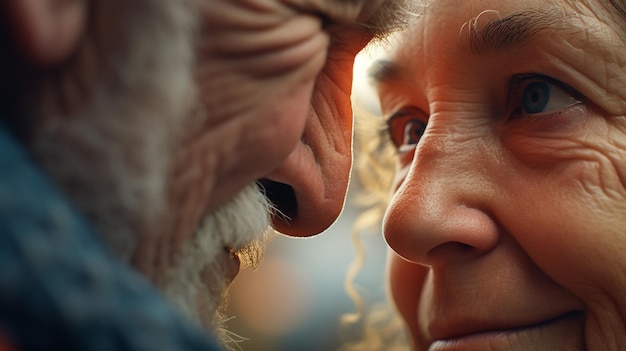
x=59, y=288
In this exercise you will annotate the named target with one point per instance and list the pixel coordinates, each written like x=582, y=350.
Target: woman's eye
x=406, y=128
x=543, y=95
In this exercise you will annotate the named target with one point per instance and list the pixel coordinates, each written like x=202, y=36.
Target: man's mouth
x=231, y=263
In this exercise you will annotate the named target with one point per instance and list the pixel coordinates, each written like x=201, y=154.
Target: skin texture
x=157, y=117
x=269, y=64
x=502, y=220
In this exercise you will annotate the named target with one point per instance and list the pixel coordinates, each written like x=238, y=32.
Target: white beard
x=198, y=283
x=111, y=155
x=110, y=150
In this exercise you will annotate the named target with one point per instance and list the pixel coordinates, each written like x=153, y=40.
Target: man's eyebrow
x=384, y=71
x=515, y=29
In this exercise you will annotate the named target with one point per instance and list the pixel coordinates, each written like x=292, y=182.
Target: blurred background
x=295, y=299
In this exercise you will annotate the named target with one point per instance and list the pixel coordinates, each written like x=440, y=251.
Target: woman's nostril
x=452, y=249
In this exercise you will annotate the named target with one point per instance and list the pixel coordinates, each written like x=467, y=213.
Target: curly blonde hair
x=374, y=326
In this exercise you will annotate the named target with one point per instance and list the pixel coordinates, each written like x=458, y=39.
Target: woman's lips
x=563, y=333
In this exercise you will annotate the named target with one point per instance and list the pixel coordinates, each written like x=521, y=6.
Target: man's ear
x=46, y=31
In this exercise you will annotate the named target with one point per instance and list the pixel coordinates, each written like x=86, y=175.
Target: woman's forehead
x=472, y=11
x=579, y=43
x=489, y=25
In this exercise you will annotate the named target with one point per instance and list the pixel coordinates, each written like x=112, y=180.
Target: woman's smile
x=563, y=332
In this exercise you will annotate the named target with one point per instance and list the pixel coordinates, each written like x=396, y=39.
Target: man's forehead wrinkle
x=514, y=29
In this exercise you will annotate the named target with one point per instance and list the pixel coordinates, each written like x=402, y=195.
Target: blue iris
x=535, y=97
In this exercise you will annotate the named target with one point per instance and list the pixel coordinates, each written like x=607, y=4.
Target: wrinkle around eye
x=600, y=83
x=599, y=176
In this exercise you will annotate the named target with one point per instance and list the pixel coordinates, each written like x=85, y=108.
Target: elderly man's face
x=167, y=109
x=113, y=131
x=507, y=223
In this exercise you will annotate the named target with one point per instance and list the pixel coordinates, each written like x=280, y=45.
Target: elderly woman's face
x=508, y=223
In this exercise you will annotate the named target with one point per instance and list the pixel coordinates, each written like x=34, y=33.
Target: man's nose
x=440, y=213
x=309, y=188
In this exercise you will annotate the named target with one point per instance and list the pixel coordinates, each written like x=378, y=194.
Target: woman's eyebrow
x=383, y=71
x=512, y=30
x=501, y=33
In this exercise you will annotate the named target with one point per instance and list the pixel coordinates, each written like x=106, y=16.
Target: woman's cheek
x=406, y=283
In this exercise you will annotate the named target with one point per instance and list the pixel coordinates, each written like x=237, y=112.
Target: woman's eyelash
x=537, y=95
x=514, y=86
x=518, y=80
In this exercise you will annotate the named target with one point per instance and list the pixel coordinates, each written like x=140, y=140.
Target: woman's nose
x=440, y=212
